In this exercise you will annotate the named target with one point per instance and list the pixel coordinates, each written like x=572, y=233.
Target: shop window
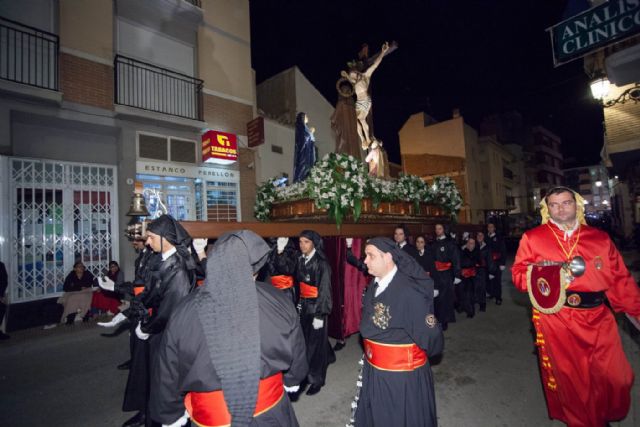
x=152, y=147
x=222, y=205
x=168, y=149
x=183, y=151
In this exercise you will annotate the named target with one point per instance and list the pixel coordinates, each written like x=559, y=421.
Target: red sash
x=394, y=357
x=469, y=272
x=137, y=290
x=308, y=291
x=443, y=266
x=282, y=282
x=209, y=408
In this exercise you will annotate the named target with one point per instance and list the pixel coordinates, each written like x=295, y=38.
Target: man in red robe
x=585, y=374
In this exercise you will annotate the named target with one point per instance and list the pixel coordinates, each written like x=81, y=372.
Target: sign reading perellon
x=595, y=28
x=187, y=171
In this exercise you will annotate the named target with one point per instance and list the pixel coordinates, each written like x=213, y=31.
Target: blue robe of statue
x=305, y=151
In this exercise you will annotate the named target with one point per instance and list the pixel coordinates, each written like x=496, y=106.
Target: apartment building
x=99, y=95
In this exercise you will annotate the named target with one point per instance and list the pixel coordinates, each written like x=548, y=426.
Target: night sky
x=482, y=56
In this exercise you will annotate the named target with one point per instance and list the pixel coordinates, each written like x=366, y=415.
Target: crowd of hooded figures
x=234, y=334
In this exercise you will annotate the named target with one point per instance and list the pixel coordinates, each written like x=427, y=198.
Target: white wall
x=268, y=163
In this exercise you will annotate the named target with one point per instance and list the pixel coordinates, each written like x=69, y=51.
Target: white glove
x=317, y=323
x=491, y=276
x=117, y=319
x=106, y=283
x=465, y=235
x=349, y=241
x=199, y=245
x=456, y=281
x=282, y=243
x=292, y=389
x=502, y=268
x=436, y=293
x=179, y=422
x=143, y=337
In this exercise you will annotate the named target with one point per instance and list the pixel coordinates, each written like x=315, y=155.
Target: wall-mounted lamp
x=600, y=90
x=599, y=87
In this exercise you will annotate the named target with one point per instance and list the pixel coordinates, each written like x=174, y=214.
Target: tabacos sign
x=219, y=147
x=593, y=29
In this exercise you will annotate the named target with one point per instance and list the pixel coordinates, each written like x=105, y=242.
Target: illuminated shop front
x=208, y=191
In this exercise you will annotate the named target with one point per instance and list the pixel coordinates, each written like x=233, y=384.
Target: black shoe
x=498, y=301
x=470, y=315
x=4, y=336
x=70, y=319
x=124, y=366
x=483, y=307
x=445, y=326
x=314, y=389
x=339, y=346
x=136, y=421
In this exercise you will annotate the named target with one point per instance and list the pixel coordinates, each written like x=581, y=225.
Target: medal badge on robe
x=381, y=315
x=546, y=286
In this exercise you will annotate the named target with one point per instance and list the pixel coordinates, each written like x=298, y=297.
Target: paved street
x=488, y=375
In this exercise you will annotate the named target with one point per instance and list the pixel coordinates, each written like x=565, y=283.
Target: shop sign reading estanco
x=594, y=29
x=187, y=171
x=219, y=147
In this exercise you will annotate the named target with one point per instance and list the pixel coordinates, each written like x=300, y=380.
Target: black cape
x=183, y=363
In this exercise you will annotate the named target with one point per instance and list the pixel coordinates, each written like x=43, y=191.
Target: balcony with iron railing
x=28, y=55
x=149, y=87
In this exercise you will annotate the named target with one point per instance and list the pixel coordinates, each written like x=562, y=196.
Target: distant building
x=448, y=148
x=592, y=182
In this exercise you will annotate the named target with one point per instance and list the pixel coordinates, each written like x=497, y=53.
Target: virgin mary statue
x=305, y=150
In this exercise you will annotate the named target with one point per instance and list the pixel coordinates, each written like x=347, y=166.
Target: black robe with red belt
x=183, y=363
x=317, y=273
x=401, y=314
x=445, y=251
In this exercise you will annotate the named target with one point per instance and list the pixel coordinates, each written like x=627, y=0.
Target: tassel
x=356, y=398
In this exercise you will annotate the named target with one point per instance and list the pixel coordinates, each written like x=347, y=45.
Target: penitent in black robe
x=316, y=272
x=401, y=314
x=183, y=363
x=445, y=250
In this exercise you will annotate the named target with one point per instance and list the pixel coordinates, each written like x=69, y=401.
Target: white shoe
x=436, y=293
x=50, y=326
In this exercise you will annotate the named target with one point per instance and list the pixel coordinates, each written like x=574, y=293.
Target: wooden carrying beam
x=213, y=230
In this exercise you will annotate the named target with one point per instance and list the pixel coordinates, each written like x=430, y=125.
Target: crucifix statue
x=360, y=78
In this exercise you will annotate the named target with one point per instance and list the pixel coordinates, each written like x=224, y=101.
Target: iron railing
x=149, y=87
x=28, y=55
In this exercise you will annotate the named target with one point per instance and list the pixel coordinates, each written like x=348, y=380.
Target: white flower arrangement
x=339, y=182
x=446, y=194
